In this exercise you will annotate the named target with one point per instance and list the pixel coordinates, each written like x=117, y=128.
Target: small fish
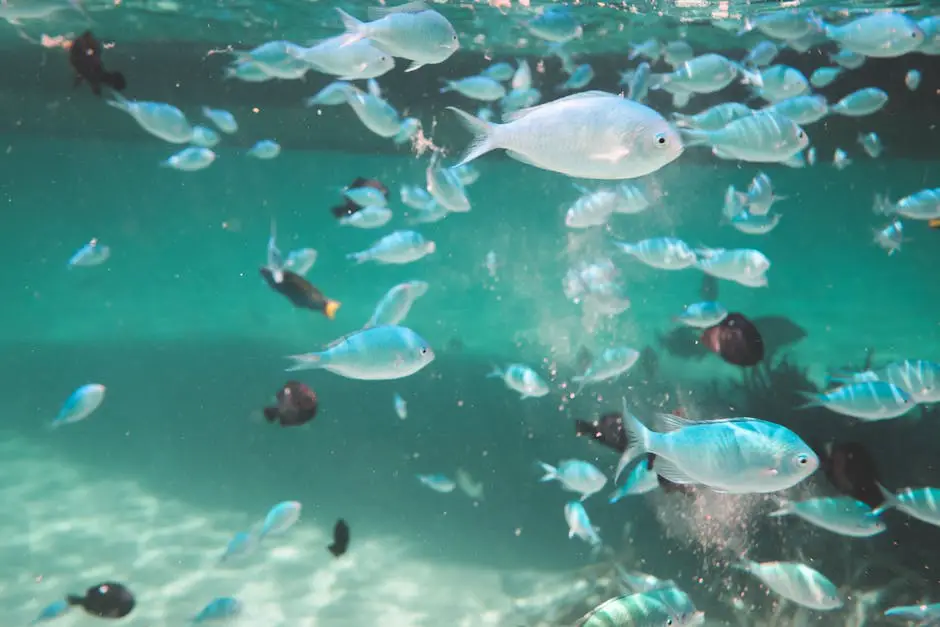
x=371, y=217
x=737, y=455
x=105, y=600
x=912, y=80
x=761, y=54
x=300, y=292
x=752, y=224
x=205, y=137
x=280, y=518
x=664, y=253
x=374, y=353
x=522, y=379
x=397, y=302
x=702, y=315
x=242, y=543
x=840, y=159
x=922, y=205
x=473, y=489
x=80, y=404
x=349, y=207
x=576, y=476
x=608, y=431
x=191, y=159
x=714, y=118
x=398, y=247
x=611, y=363
x=401, y=407
x=921, y=615
x=415, y=197
x=501, y=71
x=763, y=137
x=446, y=187
x=918, y=377
x=94, y=253
x=340, y=539
x=825, y=76
x=52, y=611
x=438, y=483
x=366, y=196
x=160, y=119
x=223, y=120
x=745, y=266
x=861, y=103
x=920, y=503
x=890, y=237
x=580, y=78
x=296, y=405
x=265, y=149
x=220, y=609
x=594, y=135
x=350, y=61
x=796, y=582
x=482, y=88
x=410, y=31
x=332, y=95
x=579, y=524
x=842, y=515
x=805, y=109
x=780, y=82
x=736, y=340
x=884, y=34
x=85, y=59
x=556, y=24
x=638, y=610
x=641, y=480
x=409, y=129
x=868, y=401
x=871, y=144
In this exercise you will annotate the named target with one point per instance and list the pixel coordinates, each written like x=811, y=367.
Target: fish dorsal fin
x=417, y=6
x=582, y=95
x=344, y=338
x=671, y=422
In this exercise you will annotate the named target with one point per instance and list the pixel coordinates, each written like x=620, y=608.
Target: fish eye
x=802, y=460
x=800, y=135
x=424, y=350
x=660, y=139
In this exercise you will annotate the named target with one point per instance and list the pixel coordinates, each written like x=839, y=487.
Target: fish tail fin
x=694, y=137
x=448, y=86
x=551, y=473
x=119, y=102
x=638, y=437
x=495, y=373
x=308, y=361
x=482, y=131
x=114, y=80
x=332, y=306
x=682, y=120
x=355, y=29
x=270, y=414
x=812, y=400
x=784, y=508
x=360, y=257
x=890, y=500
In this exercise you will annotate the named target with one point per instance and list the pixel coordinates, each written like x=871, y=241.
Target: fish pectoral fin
x=670, y=472
x=414, y=66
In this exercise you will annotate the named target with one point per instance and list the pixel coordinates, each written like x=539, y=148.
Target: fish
x=398, y=247
x=735, y=455
x=94, y=253
x=410, y=31
x=715, y=117
x=608, y=430
x=556, y=24
x=934, y=224
x=825, y=76
x=85, y=59
x=370, y=217
x=576, y=475
x=223, y=120
x=191, y=159
x=736, y=340
x=744, y=266
x=438, y=483
x=375, y=353
x=912, y=80
x=473, y=489
x=922, y=615
x=868, y=400
x=884, y=34
x=358, y=60
x=641, y=480
x=922, y=205
x=861, y=103
x=205, y=137
x=401, y=407
x=851, y=469
x=221, y=608
x=242, y=543
x=394, y=307
x=296, y=405
x=366, y=196
x=265, y=149
x=637, y=610
x=841, y=514
x=445, y=186
x=611, y=363
x=105, y=600
x=663, y=253
x=871, y=144
x=349, y=206
x=340, y=539
x=594, y=135
x=765, y=136
x=702, y=315
x=796, y=582
x=522, y=379
x=920, y=503
x=300, y=292
x=482, y=88
x=160, y=119
x=80, y=405
x=280, y=518
x=579, y=524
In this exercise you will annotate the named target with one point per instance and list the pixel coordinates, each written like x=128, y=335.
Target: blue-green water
x=191, y=345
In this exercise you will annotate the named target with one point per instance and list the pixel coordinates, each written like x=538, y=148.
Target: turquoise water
x=191, y=345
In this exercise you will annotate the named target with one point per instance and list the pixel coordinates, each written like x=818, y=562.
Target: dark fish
x=296, y=405
x=105, y=600
x=608, y=431
x=340, y=538
x=349, y=207
x=852, y=470
x=85, y=58
x=736, y=340
x=301, y=292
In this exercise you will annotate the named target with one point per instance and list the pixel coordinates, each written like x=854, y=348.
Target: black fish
x=105, y=600
x=296, y=405
x=340, y=538
x=736, y=340
x=300, y=292
x=85, y=58
x=852, y=470
x=349, y=207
